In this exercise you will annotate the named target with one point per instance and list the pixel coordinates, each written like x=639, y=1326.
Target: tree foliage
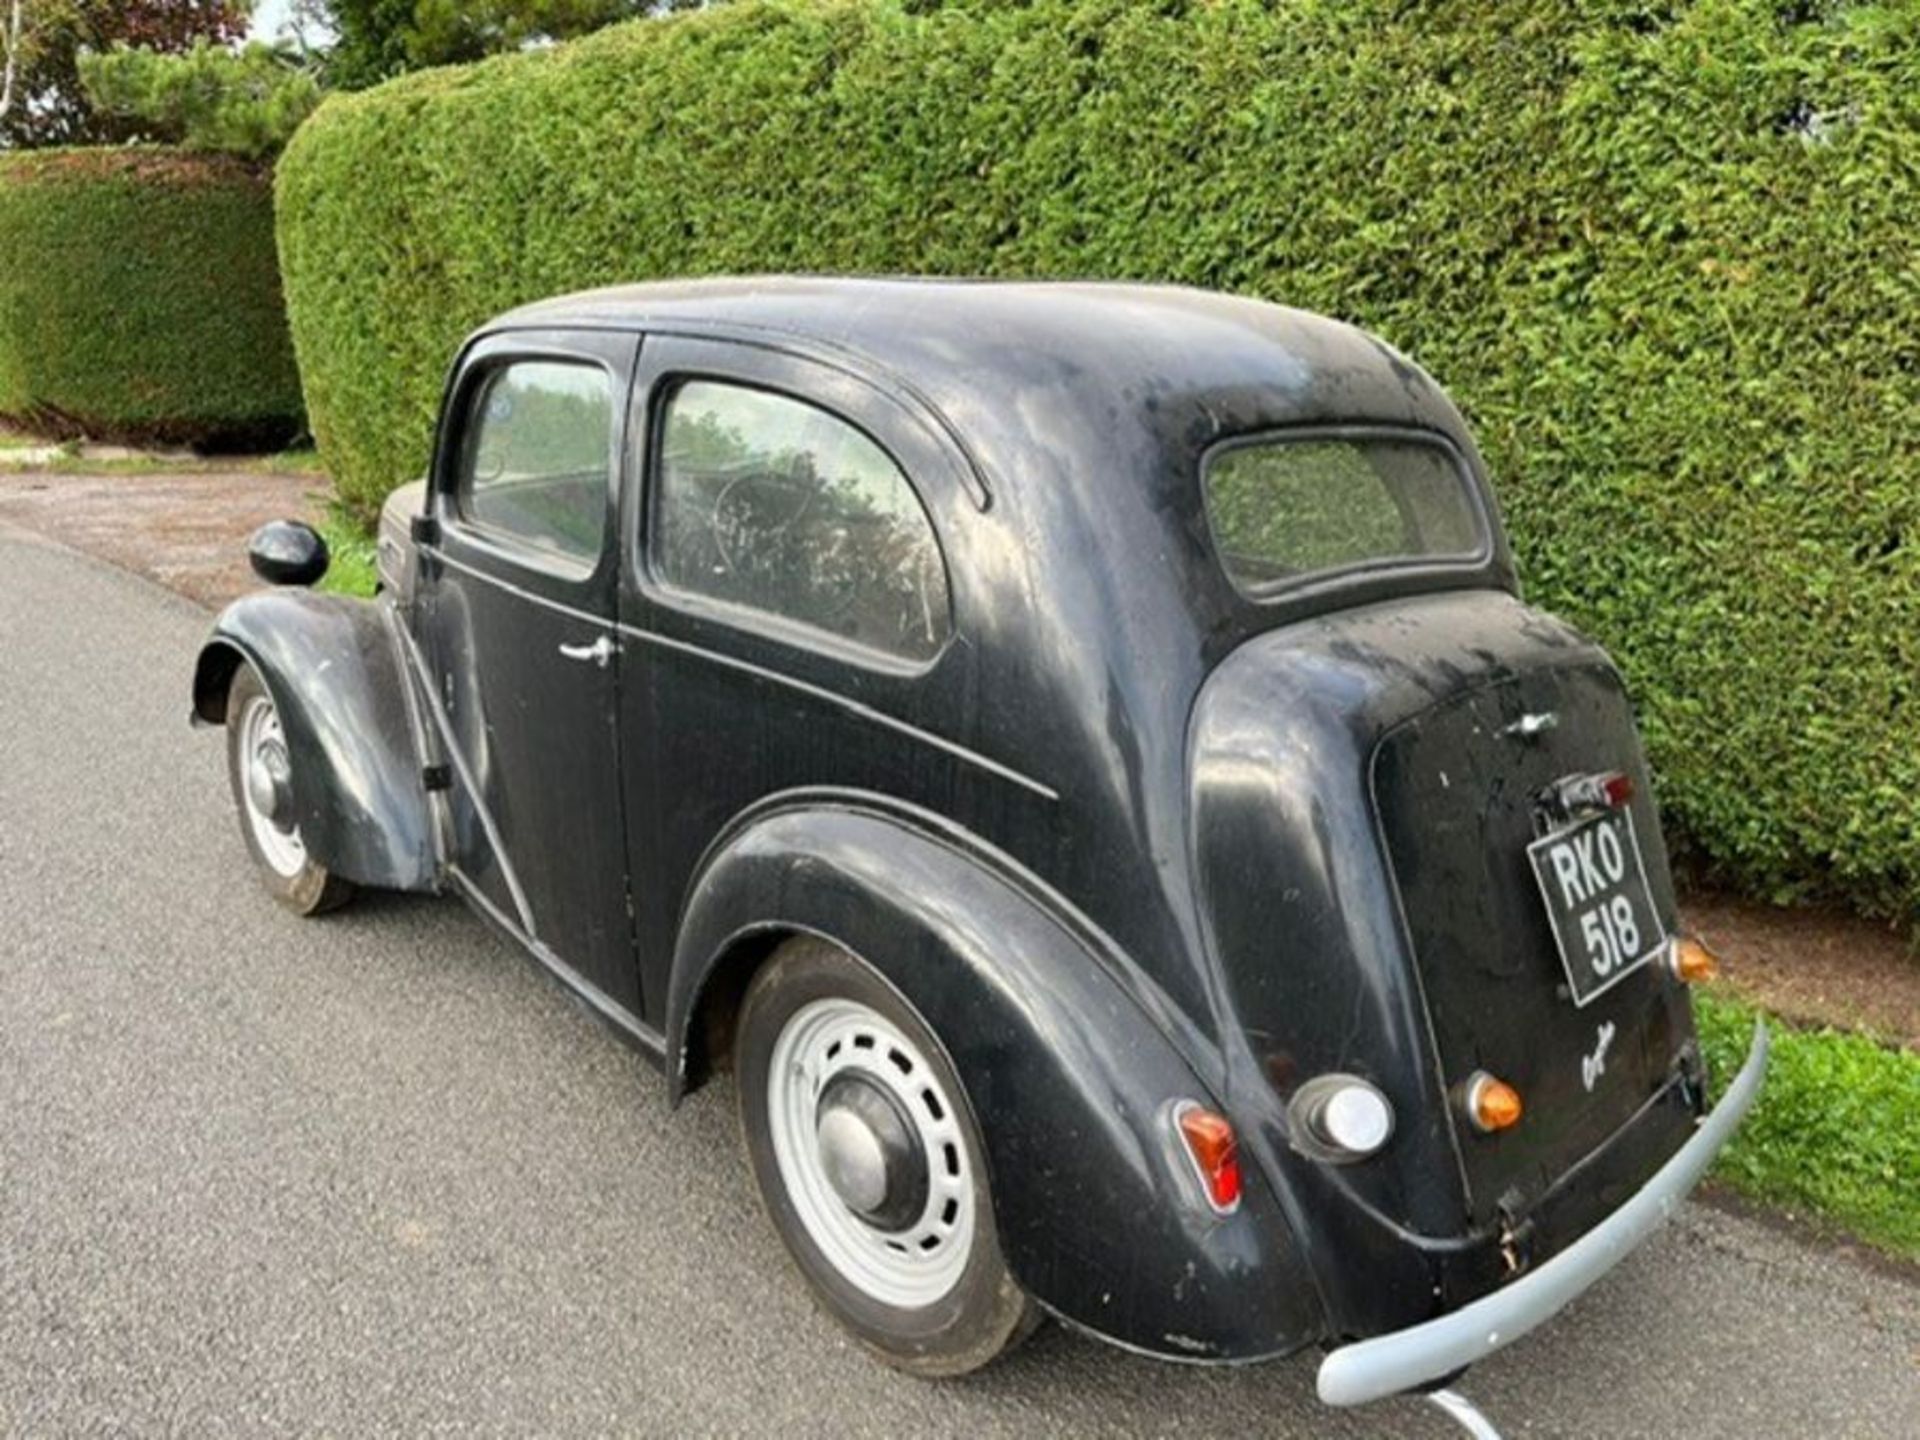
x=242, y=102
x=50, y=105
x=379, y=39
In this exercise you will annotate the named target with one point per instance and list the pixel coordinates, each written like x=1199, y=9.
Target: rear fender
x=333, y=667
x=1070, y=1077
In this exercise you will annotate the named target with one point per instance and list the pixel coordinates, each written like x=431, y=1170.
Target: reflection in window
x=774, y=504
x=539, y=444
x=1282, y=509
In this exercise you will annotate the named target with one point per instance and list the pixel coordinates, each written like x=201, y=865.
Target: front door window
x=537, y=452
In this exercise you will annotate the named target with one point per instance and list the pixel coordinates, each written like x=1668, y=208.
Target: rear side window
x=1284, y=509
x=538, y=448
x=776, y=505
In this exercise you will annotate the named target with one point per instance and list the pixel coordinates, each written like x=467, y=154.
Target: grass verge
x=72, y=461
x=1836, y=1130
x=70, y=464
x=288, y=462
x=351, y=571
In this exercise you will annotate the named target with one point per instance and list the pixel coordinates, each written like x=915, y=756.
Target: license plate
x=1595, y=885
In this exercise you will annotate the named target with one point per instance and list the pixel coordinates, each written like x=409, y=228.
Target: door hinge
x=424, y=530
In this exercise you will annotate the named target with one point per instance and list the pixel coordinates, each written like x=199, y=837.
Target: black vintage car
x=1076, y=753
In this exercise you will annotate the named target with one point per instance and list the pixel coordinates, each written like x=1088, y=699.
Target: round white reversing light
x=1356, y=1117
x=1340, y=1118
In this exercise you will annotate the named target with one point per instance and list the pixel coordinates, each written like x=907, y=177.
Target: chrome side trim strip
x=851, y=706
x=519, y=592
x=761, y=672
x=604, y=1005
x=1389, y=1364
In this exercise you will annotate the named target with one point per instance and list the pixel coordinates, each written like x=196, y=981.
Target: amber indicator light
x=1691, y=961
x=1492, y=1104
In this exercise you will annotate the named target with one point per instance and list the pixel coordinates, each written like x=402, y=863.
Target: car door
x=788, y=612
x=518, y=608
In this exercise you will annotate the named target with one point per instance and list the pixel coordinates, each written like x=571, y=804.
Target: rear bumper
x=1403, y=1359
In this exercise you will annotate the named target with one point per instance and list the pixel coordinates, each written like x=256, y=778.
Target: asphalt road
x=374, y=1174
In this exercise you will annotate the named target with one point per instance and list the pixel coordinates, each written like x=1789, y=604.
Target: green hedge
x=1663, y=253
x=140, y=299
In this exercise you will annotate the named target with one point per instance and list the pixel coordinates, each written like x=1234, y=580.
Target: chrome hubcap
x=267, y=787
x=869, y=1150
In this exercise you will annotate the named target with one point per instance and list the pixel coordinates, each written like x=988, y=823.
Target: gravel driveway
x=186, y=529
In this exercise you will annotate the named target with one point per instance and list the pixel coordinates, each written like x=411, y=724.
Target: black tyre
x=260, y=771
x=870, y=1164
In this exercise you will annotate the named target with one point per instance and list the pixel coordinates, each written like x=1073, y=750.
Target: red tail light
x=1215, y=1152
x=1617, y=789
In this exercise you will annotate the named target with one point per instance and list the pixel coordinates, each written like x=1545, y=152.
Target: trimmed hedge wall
x=140, y=299
x=1663, y=253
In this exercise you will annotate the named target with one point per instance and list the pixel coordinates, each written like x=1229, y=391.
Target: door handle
x=600, y=652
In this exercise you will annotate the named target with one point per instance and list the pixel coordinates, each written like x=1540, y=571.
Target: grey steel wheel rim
x=912, y=1265
x=265, y=793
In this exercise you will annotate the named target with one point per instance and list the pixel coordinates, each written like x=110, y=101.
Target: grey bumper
x=1388, y=1364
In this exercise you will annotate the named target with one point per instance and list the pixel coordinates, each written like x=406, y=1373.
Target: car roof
x=965, y=342
x=865, y=312
x=1088, y=407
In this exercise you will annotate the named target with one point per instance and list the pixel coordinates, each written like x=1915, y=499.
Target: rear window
x=1284, y=509
x=775, y=505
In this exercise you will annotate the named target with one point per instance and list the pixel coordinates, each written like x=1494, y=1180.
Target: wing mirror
x=288, y=552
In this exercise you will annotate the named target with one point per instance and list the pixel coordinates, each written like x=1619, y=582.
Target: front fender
x=333, y=668
x=1070, y=1080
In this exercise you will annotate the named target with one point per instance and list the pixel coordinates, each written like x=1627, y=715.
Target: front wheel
x=870, y=1163
x=260, y=770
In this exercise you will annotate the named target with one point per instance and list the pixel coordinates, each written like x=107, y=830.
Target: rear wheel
x=260, y=770
x=870, y=1163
